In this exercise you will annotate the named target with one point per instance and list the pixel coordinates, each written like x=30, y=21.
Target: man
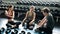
x=30, y=16
x=47, y=23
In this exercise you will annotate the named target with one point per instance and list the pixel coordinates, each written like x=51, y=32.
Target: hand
x=30, y=23
x=37, y=26
x=12, y=26
x=39, y=20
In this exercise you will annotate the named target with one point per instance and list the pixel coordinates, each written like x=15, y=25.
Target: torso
x=11, y=14
x=50, y=22
x=30, y=15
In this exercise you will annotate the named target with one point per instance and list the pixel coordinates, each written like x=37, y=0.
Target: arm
x=13, y=14
x=25, y=17
x=44, y=20
x=6, y=13
x=33, y=18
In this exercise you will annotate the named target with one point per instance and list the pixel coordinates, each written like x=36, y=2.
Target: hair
x=32, y=6
x=9, y=7
x=46, y=10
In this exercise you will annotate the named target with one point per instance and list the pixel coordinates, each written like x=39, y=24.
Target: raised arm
x=11, y=16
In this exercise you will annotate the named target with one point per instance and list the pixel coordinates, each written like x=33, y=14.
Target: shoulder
x=5, y=10
x=27, y=12
x=49, y=17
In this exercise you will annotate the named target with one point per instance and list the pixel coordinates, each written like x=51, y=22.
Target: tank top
x=30, y=16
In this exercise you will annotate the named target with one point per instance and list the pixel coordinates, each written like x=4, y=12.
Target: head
x=10, y=7
x=45, y=11
x=32, y=8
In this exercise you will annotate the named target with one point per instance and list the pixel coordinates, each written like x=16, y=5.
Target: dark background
x=22, y=6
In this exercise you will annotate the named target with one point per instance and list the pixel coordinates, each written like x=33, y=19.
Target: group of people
x=46, y=24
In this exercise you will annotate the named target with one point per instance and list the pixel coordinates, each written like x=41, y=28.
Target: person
x=10, y=15
x=30, y=16
x=47, y=23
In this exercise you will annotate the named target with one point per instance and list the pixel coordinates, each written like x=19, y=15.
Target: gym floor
x=3, y=22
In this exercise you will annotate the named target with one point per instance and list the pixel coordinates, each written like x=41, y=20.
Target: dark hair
x=46, y=10
x=9, y=7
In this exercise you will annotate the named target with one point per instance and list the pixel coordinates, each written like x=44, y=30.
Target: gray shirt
x=50, y=22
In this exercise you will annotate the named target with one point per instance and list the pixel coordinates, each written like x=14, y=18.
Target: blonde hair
x=32, y=6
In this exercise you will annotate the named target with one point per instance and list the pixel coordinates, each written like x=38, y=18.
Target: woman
x=30, y=16
x=10, y=15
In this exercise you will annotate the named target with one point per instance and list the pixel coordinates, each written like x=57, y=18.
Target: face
x=11, y=8
x=32, y=9
x=43, y=13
